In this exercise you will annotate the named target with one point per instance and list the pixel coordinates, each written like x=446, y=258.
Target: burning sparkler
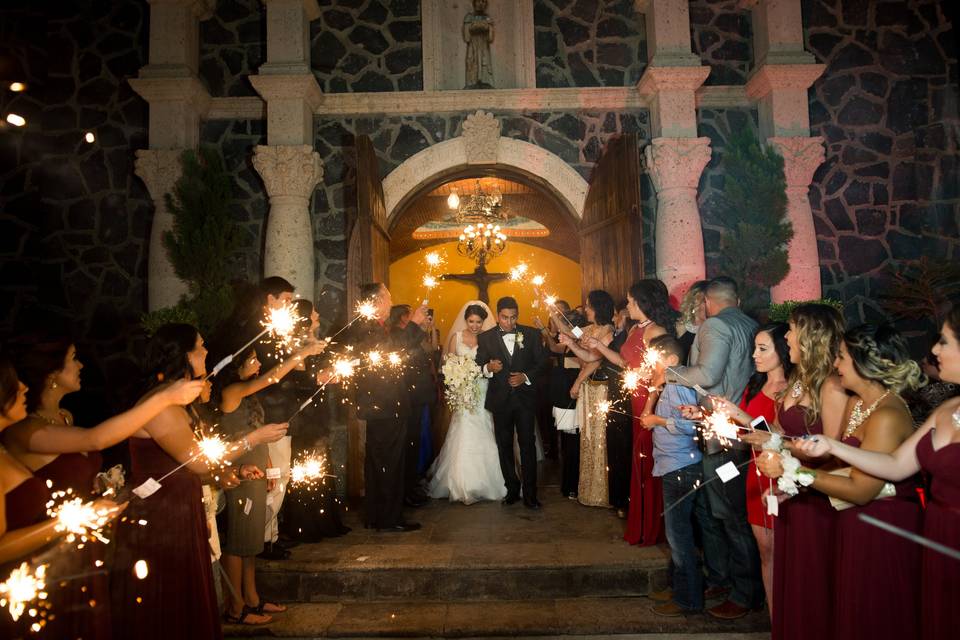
x=719, y=425
x=632, y=380
x=538, y=280
x=214, y=449
x=80, y=520
x=366, y=309
x=394, y=359
x=23, y=586
x=434, y=260
x=280, y=322
x=517, y=272
x=309, y=470
x=429, y=281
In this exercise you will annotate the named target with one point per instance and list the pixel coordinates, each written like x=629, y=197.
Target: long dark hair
x=778, y=333
x=9, y=385
x=168, y=354
x=603, y=306
x=37, y=358
x=653, y=299
x=475, y=310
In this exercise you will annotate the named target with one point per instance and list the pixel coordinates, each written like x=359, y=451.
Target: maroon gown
x=804, y=555
x=940, y=575
x=878, y=573
x=82, y=605
x=26, y=505
x=645, y=515
x=177, y=598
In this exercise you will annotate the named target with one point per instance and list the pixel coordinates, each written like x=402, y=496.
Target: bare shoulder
x=833, y=389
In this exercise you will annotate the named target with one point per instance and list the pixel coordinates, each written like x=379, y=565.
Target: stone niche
x=444, y=51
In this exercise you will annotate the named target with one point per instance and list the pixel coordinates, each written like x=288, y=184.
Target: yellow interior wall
x=562, y=280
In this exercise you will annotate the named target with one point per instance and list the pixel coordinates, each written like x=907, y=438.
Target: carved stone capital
x=771, y=77
x=676, y=163
x=660, y=79
x=159, y=169
x=801, y=157
x=288, y=170
x=481, y=138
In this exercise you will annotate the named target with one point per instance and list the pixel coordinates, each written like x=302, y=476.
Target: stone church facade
x=860, y=97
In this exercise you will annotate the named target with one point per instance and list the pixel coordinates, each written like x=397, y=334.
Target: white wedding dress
x=468, y=467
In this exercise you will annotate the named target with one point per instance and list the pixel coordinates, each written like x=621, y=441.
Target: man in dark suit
x=512, y=356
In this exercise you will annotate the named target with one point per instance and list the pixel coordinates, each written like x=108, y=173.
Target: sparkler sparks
x=375, y=358
x=367, y=309
x=309, y=470
x=213, y=448
x=429, y=281
x=538, y=281
x=632, y=380
x=23, y=586
x=434, y=260
x=517, y=272
x=719, y=425
x=79, y=519
x=394, y=359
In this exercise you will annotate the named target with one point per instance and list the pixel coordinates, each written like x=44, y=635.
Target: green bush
x=780, y=312
x=179, y=313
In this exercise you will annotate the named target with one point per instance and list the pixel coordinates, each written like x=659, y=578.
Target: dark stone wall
x=721, y=34
x=78, y=218
x=887, y=107
x=233, y=44
x=588, y=43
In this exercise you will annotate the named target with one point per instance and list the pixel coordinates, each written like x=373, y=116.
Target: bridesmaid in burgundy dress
x=176, y=598
x=68, y=457
x=648, y=303
x=804, y=534
x=876, y=575
x=934, y=448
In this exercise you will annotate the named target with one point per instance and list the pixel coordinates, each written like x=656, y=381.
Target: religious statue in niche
x=478, y=34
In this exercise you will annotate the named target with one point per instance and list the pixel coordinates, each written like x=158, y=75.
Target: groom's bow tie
x=508, y=333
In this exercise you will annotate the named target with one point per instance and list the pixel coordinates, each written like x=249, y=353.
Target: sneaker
x=728, y=610
x=664, y=595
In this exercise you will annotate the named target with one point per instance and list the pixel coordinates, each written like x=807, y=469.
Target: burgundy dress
x=26, y=505
x=176, y=599
x=940, y=583
x=804, y=555
x=644, y=517
x=878, y=573
x=72, y=601
x=759, y=405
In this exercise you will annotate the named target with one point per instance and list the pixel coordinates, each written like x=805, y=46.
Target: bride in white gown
x=468, y=467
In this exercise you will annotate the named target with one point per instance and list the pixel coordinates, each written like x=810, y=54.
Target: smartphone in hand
x=760, y=424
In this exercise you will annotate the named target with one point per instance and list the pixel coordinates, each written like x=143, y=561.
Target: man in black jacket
x=383, y=401
x=512, y=356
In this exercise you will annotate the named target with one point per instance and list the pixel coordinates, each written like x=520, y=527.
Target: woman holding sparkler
x=176, y=598
x=932, y=448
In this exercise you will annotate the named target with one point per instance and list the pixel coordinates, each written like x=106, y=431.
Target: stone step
x=496, y=618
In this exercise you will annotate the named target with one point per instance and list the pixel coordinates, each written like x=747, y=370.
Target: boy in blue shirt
x=676, y=459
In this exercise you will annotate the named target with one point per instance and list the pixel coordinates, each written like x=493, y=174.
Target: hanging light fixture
x=453, y=200
x=479, y=206
x=482, y=242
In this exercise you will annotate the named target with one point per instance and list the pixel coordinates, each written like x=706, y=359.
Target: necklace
x=797, y=390
x=63, y=419
x=858, y=415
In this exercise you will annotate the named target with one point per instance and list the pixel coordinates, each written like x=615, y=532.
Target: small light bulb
x=453, y=200
x=17, y=86
x=16, y=120
x=89, y=137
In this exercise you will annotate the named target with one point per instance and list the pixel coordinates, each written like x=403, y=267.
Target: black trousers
x=619, y=459
x=570, y=454
x=383, y=472
x=411, y=455
x=521, y=420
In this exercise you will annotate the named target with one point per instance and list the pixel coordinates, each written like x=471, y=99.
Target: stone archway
x=482, y=145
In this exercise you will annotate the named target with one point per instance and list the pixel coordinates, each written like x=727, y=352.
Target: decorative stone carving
x=290, y=174
x=675, y=165
x=801, y=157
x=672, y=95
x=478, y=33
x=160, y=169
x=481, y=137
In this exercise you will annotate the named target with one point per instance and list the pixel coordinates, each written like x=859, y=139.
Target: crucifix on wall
x=480, y=278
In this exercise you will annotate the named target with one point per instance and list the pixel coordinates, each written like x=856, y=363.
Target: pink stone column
x=675, y=165
x=801, y=157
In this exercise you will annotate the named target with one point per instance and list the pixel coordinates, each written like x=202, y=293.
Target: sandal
x=259, y=609
x=244, y=614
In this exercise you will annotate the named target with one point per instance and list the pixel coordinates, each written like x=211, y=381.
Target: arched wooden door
x=368, y=260
x=611, y=231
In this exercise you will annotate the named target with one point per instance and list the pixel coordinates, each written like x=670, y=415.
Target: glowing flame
x=394, y=359
x=367, y=310
x=80, y=520
x=550, y=300
x=375, y=358
x=429, y=281
x=140, y=569
x=213, y=448
x=22, y=587
x=631, y=380
x=308, y=470
x=344, y=368
x=603, y=408
x=538, y=280
x=517, y=272
x=281, y=321
x=433, y=259
x=719, y=425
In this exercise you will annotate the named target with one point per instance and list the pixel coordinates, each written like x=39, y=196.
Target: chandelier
x=482, y=242
x=479, y=206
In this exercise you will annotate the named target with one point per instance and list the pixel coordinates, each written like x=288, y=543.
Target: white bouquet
x=461, y=375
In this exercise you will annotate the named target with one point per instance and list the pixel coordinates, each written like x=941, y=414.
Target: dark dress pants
x=411, y=453
x=521, y=420
x=383, y=471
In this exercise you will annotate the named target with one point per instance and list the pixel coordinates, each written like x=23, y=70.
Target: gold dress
x=592, y=490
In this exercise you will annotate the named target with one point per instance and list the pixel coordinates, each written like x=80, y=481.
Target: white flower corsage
x=110, y=481
x=519, y=340
x=793, y=476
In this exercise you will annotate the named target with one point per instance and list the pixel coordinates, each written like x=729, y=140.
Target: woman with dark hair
x=48, y=443
x=933, y=449
x=176, y=598
x=589, y=391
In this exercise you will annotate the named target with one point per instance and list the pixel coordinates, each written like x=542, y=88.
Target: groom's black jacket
x=528, y=357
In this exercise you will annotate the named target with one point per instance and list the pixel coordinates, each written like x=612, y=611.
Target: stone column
x=675, y=165
x=801, y=157
x=160, y=169
x=290, y=173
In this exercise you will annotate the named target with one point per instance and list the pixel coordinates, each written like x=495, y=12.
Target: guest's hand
x=419, y=314
x=183, y=392
x=755, y=438
x=719, y=403
x=517, y=379
x=590, y=343
x=494, y=366
x=770, y=464
x=268, y=433
x=690, y=411
x=567, y=340
x=228, y=479
x=650, y=421
x=313, y=348
x=251, y=472
x=816, y=446
x=575, y=391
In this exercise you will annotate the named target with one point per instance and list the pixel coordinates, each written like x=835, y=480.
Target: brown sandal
x=244, y=614
x=278, y=608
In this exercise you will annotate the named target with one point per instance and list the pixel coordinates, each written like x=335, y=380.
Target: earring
x=53, y=385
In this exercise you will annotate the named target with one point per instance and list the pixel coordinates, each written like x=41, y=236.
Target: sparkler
x=429, y=281
x=213, y=448
x=23, y=586
x=517, y=272
x=394, y=359
x=79, y=519
x=280, y=322
x=693, y=386
x=365, y=309
x=909, y=535
x=719, y=425
x=434, y=260
x=342, y=368
x=309, y=470
x=697, y=486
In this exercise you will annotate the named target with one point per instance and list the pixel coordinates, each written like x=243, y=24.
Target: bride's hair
x=475, y=310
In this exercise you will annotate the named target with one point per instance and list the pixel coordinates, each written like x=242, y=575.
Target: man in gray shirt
x=721, y=362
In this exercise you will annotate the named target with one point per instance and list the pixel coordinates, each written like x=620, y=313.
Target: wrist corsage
x=794, y=476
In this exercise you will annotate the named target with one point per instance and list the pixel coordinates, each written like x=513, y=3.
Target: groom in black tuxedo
x=512, y=356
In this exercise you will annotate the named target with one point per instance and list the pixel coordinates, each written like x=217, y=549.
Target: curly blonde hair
x=692, y=299
x=880, y=354
x=819, y=329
